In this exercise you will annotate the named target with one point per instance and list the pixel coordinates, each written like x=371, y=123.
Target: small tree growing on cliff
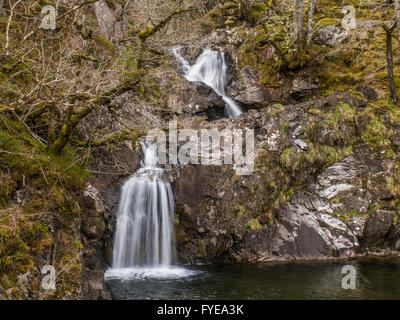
x=389, y=59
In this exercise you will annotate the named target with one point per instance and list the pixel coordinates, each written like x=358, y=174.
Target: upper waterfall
x=210, y=69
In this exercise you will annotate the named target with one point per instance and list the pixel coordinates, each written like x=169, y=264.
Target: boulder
x=247, y=90
x=378, y=228
x=303, y=87
x=331, y=36
x=109, y=19
x=93, y=200
x=94, y=286
x=368, y=92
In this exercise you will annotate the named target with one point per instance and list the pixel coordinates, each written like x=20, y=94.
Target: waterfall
x=145, y=234
x=210, y=69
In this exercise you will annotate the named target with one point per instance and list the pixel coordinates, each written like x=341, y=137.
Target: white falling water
x=210, y=69
x=144, y=241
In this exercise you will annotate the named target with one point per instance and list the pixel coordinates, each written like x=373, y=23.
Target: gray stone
x=331, y=36
x=246, y=89
x=301, y=144
x=335, y=190
x=93, y=200
x=94, y=286
x=109, y=21
x=378, y=227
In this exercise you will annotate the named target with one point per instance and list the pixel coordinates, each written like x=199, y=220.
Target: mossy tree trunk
x=150, y=31
x=299, y=24
x=389, y=60
x=311, y=13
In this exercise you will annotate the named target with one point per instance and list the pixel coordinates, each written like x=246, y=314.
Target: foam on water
x=161, y=273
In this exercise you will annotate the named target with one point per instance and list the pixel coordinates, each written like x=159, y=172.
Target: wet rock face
x=221, y=216
x=314, y=235
x=379, y=228
x=99, y=208
x=208, y=224
x=211, y=97
x=247, y=90
x=305, y=227
x=194, y=98
x=93, y=286
x=92, y=200
x=93, y=226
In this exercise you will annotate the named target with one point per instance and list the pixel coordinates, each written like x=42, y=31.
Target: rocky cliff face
x=326, y=183
x=319, y=190
x=307, y=199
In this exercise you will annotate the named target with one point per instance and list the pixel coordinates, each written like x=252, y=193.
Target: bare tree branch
x=8, y=26
x=150, y=31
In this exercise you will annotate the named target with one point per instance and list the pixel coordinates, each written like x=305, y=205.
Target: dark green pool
x=376, y=279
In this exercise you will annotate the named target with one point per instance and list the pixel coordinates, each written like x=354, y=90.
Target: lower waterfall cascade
x=144, y=243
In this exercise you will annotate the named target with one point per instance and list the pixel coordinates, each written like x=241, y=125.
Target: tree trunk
x=311, y=13
x=299, y=16
x=2, y=5
x=389, y=59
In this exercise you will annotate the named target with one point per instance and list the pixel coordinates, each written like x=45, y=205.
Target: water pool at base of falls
x=376, y=279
